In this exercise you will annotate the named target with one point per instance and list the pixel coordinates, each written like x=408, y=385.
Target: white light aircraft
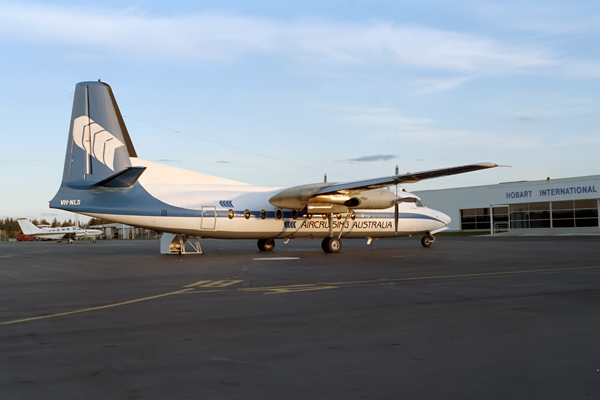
x=104, y=178
x=62, y=233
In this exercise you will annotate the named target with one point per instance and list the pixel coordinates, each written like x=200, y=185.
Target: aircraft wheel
x=427, y=241
x=94, y=240
x=70, y=241
x=266, y=244
x=331, y=245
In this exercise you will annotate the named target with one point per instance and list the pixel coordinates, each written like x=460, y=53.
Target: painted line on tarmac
x=288, y=289
x=481, y=274
x=275, y=258
x=95, y=308
x=293, y=288
x=213, y=284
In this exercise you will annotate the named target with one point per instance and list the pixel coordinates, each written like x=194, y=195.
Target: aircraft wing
x=376, y=183
x=299, y=196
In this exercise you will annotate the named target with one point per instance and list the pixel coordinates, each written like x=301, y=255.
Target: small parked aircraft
x=104, y=178
x=62, y=233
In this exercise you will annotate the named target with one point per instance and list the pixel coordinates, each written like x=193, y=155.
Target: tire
x=70, y=241
x=331, y=245
x=266, y=244
x=427, y=241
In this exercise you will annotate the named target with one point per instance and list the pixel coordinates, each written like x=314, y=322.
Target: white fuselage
x=214, y=200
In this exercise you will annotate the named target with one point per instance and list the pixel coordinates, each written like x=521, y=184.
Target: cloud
x=377, y=157
x=428, y=86
x=388, y=124
x=222, y=37
x=167, y=160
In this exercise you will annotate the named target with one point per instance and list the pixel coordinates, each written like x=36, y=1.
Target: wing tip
x=492, y=165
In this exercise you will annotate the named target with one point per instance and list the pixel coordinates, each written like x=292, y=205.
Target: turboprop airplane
x=104, y=178
x=62, y=233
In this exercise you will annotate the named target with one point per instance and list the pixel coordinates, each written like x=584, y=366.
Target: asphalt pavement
x=468, y=318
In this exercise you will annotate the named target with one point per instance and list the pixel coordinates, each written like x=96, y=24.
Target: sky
x=281, y=93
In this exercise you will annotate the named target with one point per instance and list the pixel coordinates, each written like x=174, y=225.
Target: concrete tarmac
x=468, y=318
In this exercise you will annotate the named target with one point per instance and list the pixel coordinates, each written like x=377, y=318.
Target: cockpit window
x=418, y=203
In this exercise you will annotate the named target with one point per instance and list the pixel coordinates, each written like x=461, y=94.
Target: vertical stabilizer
x=27, y=227
x=99, y=144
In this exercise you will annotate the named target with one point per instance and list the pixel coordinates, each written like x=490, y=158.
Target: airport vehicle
x=68, y=233
x=104, y=178
x=21, y=237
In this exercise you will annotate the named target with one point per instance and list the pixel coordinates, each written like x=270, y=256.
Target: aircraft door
x=209, y=218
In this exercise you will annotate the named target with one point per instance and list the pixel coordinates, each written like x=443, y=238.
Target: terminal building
x=551, y=206
x=122, y=231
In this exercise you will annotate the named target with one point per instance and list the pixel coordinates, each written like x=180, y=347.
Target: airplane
x=66, y=232
x=104, y=178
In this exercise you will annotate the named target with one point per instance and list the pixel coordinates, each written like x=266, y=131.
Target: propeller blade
x=396, y=217
x=396, y=205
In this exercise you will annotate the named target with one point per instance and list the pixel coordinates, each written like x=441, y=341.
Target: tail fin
x=27, y=227
x=99, y=145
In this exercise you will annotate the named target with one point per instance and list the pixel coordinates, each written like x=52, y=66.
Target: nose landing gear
x=427, y=241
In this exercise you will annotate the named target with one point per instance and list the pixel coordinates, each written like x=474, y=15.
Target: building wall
x=122, y=231
x=529, y=204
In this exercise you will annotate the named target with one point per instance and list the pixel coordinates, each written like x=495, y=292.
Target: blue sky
x=280, y=93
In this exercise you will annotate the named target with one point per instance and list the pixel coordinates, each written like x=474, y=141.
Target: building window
x=586, y=213
x=557, y=214
x=575, y=213
x=563, y=215
x=539, y=215
x=530, y=215
x=500, y=217
x=475, y=218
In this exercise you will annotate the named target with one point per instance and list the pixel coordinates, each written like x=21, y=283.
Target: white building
x=568, y=205
x=122, y=231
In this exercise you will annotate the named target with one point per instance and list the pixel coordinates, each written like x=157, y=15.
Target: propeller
x=396, y=205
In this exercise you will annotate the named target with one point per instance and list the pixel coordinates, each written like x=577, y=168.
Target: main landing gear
x=331, y=245
x=266, y=244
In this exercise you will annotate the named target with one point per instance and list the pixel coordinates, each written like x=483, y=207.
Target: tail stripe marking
x=104, y=143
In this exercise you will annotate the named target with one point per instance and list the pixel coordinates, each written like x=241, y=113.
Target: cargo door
x=209, y=218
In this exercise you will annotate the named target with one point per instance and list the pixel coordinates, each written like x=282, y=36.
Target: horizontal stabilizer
x=122, y=179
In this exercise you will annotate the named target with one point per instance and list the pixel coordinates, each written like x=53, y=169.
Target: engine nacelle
x=295, y=197
x=371, y=199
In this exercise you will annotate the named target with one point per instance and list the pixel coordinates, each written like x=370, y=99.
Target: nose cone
x=444, y=219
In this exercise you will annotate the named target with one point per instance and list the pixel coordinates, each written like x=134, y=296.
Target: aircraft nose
x=444, y=218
